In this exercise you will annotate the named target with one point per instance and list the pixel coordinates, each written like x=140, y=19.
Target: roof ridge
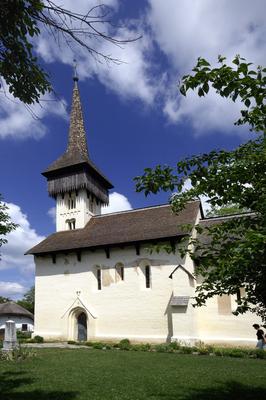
x=130, y=211
x=227, y=216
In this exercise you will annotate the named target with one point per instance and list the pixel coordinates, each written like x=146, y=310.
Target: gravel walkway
x=58, y=345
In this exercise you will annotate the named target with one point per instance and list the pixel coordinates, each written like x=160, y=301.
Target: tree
x=28, y=300
x=4, y=299
x=6, y=225
x=232, y=254
x=21, y=21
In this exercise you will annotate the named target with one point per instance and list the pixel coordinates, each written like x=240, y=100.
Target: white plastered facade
x=126, y=308
x=75, y=207
x=67, y=283
x=19, y=321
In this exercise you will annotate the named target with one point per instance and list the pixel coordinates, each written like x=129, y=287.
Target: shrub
x=71, y=342
x=203, y=351
x=163, y=348
x=236, y=353
x=188, y=349
x=210, y=348
x=141, y=347
x=260, y=353
x=218, y=352
x=36, y=339
x=124, y=344
x=175, y=345
x=98, y=345
x=23, y=335
x=89, y=344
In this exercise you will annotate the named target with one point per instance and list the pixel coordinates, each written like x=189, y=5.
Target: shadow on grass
x=12, y=387
x=229, y=391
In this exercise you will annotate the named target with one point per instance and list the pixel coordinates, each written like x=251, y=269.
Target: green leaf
x=205, y=87
x=200, y=92
x=182, y=90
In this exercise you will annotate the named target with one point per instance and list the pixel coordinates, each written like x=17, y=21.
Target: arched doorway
x=82, y=326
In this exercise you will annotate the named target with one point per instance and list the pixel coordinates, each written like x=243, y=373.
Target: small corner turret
x=77, y=185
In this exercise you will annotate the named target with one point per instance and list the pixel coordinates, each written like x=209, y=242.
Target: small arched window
x=119, y=272
x=71, y=202
x=99, y=278
x=147, y=272
x=71, y=223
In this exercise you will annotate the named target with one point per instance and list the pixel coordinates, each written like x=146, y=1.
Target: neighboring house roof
x=146, y=224
x=11, y=308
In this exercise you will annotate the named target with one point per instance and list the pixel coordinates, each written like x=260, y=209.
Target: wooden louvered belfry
x=74, y=170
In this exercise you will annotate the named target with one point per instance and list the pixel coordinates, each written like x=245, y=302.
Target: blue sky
x=134, y=115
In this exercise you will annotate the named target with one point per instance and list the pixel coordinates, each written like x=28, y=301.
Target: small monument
x=10, y=340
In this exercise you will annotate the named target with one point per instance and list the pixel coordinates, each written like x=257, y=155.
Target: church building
x=96, y=278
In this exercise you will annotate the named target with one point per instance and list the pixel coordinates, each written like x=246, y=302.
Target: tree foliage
x=21, y=21
x=6, y=225
x=230, y=254
x=28, y=300
x=4, y=299
x=18, y=65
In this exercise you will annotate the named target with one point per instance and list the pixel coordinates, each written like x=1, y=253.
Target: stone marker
x=10, y=340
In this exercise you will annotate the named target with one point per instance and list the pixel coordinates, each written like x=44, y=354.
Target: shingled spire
x=77, y=142
x=74, y=170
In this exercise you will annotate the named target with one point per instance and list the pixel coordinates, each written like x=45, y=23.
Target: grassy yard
x=83, y=374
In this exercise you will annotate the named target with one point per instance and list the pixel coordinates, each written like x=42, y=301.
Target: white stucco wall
x=18, y=321
x=121, y=309
x=82, y=212
x=127, y=309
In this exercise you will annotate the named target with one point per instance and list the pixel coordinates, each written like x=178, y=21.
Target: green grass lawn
x=83, y=374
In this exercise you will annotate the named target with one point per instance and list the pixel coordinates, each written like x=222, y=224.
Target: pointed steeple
x=77, y=142
x=75, y=170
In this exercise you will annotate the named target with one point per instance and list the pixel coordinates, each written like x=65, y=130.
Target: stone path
x=58, y=345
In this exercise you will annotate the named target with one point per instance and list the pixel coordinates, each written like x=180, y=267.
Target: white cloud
x=117, y=202
x=20, y=121
x=205, y=114
x=19, y=241
x=187, y=29
x=182, y=30
x=12, y=289
x=130, y=79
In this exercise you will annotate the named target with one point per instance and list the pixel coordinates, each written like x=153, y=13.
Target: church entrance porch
x=78, y=324
x=82, y=327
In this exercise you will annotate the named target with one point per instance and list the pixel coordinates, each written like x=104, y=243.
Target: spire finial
x=75, y=77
